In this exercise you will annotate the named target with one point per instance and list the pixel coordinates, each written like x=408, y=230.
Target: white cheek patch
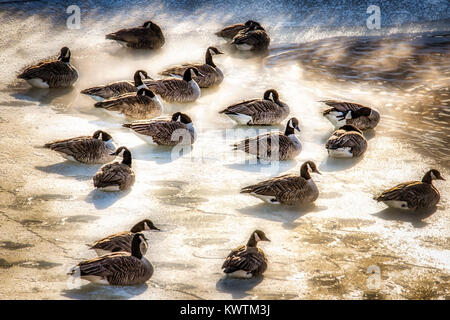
x=290, y=124
x=257, y=238
x=67, y=54
x=179, y=118
x=349, y=115
x=433, y=177
x=100, y=136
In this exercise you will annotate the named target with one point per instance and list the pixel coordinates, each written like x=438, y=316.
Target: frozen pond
x=49, y=209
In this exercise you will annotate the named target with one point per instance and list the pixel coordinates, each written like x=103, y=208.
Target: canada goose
x=53, y=73
x=178, y=130
x=347, y=142
x=116, y=176
x=118, y=268
x=230, y=32
x=342, y=113
x=247, y=261
x=176, y=90
x=148, y=36
x=212, y=75
x=264, y=111
x=274, y=146
x=115, y=89
x=254, y=38
x=122, y=241
x=413, y=195
x=90, y=150
x=287, y=189
x=143, y=104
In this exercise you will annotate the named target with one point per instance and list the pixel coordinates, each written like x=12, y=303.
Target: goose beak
x=317, y=171
x=219, y=52
x=297, y=128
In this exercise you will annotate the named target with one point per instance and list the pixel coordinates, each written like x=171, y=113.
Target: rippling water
x=48, y=209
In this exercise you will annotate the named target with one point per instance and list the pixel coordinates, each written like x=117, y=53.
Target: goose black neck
x=252, y=241
x=137, y=80
x=427, y=178
x=289, y=130
x=187, y=75
x=65, y=59
x=136, y=247
x=304, y=172
x=127, y=158
x=209, y=59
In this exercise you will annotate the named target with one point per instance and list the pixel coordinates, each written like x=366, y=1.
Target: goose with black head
x=57, y=73
x=118, y=268
x=117, y=88
x=147, y=36
x=93, y=149
x=347, y=142
x=116, y=176
x=211, y=74
x=342, y=113
x=289, y=189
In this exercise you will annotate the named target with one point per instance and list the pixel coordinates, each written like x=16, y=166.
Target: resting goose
x=143, y=104
x=247, y=261
x=176, y=90
x=119, y=268
x=115, y=89
x=342, y=113
x=90, y=150
x=178, y=130
x=264, y=111
x=347, y=142
x=116, y=176
x=122, y=241
x=287, y=189
x=274, y=146
x=254, y=38
x=148, y=36
x=230, y=32
x=53, y=73
x=413, y=195
x=211, y=74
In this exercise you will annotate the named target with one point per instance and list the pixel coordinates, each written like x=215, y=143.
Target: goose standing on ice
x=143, y=104
x=118, y=268
x=247, y=261
x=122, y=241
x=342, y=113
x=115, y=89
x=148, y=36
x=413, y=195
x=178, y=130
x=53, y=73
x=211, y=74
x=90, y=150
x=176, y=90
x=287, y=189
x=267, y=111
x=274, y=146
x=347, y=142
x=116, y=176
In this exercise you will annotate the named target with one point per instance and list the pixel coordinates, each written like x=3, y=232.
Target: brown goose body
x=342, y=113
x=211, y=74
x=254, y=38
x=229, y=32
x=165, y=132
x=247, y=261
x=51, y=74
x=346, y=142
x=413, y=195
x=122, y=241
x=119, y=268
x=148, y=36
x=289, y=189
x=135, y=106
x=117, y=88
x=90, y=150
x=273, y=145
x=176, y=90
x=115, y=176
x=259, y=111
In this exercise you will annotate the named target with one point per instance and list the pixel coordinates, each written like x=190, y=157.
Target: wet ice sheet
x=49, y=210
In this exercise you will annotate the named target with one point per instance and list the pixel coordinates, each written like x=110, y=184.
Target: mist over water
x=319, y=50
